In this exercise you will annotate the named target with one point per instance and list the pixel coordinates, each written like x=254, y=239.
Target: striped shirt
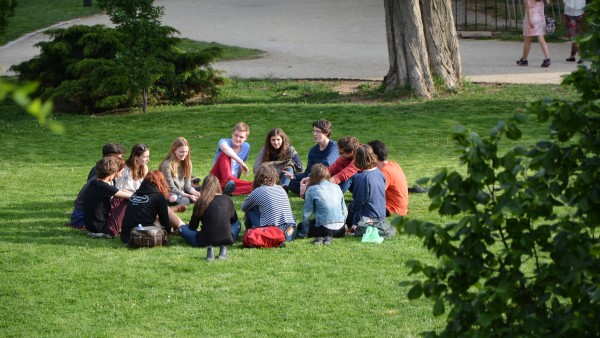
x=273, y=205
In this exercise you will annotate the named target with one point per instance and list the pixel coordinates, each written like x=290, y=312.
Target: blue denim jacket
x=326, y=201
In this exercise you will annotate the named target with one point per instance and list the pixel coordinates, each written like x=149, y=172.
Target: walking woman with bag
x=534, y=24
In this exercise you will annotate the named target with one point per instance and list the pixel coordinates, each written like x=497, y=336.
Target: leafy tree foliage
x=139, y=20
x=522, y=258
x=96, y=68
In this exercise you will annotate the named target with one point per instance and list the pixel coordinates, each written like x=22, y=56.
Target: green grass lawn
x=56, y=281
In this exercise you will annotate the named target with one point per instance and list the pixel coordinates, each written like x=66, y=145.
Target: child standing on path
x=534, y=24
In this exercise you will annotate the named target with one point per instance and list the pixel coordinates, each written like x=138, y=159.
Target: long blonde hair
x=210, y=188
x=174, y=163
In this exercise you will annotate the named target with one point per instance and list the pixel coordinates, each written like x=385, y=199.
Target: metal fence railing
x=496, y=15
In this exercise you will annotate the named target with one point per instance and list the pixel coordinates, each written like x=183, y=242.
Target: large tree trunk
x=422, y=44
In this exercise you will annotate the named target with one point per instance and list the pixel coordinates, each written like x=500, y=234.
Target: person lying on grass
x=326, y=201
x=98, y=195
x=149, y=206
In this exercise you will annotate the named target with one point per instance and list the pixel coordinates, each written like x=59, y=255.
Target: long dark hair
x=272, y=154
x=210, y=188
x=137, y=171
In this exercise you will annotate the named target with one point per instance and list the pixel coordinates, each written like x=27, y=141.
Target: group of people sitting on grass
x=122, y=194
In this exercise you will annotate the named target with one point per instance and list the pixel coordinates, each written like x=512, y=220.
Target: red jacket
x=342, y=169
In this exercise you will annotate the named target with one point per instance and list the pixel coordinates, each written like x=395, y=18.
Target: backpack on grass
x=148, y=237
x=263, y=237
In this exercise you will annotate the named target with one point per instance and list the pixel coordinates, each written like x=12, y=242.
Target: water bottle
x=140, y=227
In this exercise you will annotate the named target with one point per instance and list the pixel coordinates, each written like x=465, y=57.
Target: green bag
x=371, y=236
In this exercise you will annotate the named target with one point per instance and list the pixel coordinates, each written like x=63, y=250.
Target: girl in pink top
x=534, y=24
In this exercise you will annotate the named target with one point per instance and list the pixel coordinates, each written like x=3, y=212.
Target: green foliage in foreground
x=57, y=281
x=520, y=256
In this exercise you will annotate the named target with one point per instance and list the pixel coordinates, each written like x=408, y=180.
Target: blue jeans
x=253, y=221
x=283, y=179
x=190, y=235
x=347, y=185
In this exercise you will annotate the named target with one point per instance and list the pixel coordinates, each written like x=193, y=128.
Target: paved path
x=318, y=39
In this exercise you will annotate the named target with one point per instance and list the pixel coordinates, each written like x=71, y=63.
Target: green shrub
x=522, y=257
x=81, y=71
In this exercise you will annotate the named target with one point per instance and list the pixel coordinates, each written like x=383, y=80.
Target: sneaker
x=546, y=63
x=580, y=61
x=418, y=189
x=318, y=241
x=570, y=59
x=328, y=240
x=229, y=188
x=522, y=62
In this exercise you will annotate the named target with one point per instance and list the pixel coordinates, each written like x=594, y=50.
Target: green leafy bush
x=82, y=69
x=522, y=257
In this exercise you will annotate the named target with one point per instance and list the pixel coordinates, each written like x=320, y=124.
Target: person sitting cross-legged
x=268, y=203
x=326, y=201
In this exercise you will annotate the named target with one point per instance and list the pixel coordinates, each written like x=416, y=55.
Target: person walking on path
x=573, y=21
x=534, y=24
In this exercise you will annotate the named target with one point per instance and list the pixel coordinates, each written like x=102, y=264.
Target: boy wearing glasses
x=325, y=151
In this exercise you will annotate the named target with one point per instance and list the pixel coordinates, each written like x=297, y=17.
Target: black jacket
x=144, y=205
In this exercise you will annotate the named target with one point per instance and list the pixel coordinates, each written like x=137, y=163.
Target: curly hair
x=348, y=144
x=265, y=175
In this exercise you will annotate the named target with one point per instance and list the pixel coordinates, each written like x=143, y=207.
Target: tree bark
x=422, y=44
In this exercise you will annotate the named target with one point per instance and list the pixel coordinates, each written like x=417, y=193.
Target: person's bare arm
x=227, y=150
x=123, y=194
